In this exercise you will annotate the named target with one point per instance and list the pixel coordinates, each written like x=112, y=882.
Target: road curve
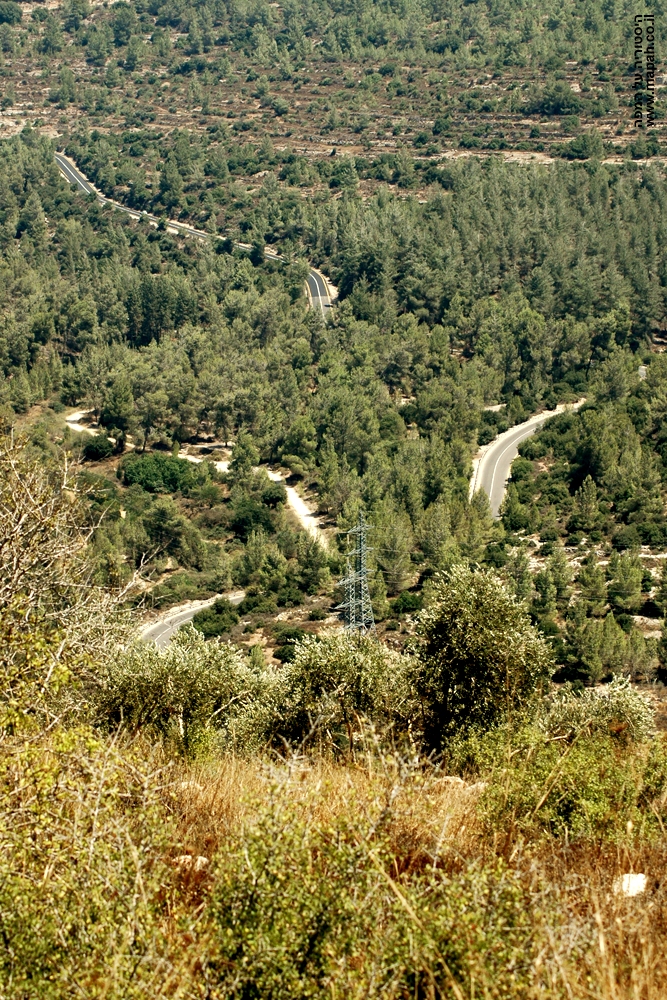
x=160, y=632
x=492, y=469
x=320, y=292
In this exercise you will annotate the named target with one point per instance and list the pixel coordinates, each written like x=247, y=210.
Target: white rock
x=186, y=862
x=190, y=786
x=629, y=885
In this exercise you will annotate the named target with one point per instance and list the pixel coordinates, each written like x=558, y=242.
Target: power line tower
x=357, y=607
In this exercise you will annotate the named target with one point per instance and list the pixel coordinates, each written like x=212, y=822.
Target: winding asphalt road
x=161, y=631
x=492, y=469
x=320, y=293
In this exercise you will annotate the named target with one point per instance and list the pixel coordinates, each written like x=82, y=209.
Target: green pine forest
x=523, y=286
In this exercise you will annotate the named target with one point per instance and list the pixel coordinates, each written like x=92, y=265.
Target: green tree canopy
x=479, y=659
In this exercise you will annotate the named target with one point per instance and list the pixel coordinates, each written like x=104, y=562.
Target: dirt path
x=73, y=421
x=306, y=517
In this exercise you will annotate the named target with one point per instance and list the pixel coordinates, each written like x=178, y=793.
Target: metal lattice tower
x=357, y=607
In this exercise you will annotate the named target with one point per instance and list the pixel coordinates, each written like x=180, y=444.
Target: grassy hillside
x=195, y=823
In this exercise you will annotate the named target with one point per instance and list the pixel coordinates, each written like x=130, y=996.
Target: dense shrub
x=196, y=694
x=407, y=601
x=587, y=788
x=598, y=649
x=158, y=473
x=10, y=12
x=259, y=604
x=216, y=620
x=274, y=494
x=287, y=636
x=97, y=448
x=248, y=515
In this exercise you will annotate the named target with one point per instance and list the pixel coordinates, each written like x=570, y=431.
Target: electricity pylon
x=357, y=607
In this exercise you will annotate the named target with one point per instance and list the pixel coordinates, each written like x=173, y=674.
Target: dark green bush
x=285, y=653
x=274, y=494
x=248, y=515
x=97, y=448
x=289, y=596
x=158, y=473
x=626, y=537
x=287, y=637
x=216, y=620
x=407, y=600
x=259, y=604
x=289, y=633
x=10, y=12
x=495, y=554
x=522, y=469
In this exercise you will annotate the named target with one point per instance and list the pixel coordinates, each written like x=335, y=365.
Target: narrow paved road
x=492, y=469
x=161, y=631
x=321, y=293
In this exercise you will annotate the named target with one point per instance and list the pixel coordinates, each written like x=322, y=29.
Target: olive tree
x=336, y=685
x=479, y=657
x=193, y=692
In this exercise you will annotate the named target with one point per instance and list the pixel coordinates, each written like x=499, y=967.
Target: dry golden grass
x=587, y=942
x=113, y=823
x=430, y=815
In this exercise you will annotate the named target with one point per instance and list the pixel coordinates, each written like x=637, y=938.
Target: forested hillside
x=512, y=286
x=469, y=799
x=379, y=76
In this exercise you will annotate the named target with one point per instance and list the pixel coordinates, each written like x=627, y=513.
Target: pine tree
x=561, y=574
x=32, y=220
x=393, y=544
x=625, y=588
x=517, y=571
x=586, y=505
x=545, y=600
x=118, y=409
x=593, y=586
x=171, y=183
x=244, y=457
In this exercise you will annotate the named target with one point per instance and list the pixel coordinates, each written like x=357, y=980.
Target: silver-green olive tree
x=479, y=658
